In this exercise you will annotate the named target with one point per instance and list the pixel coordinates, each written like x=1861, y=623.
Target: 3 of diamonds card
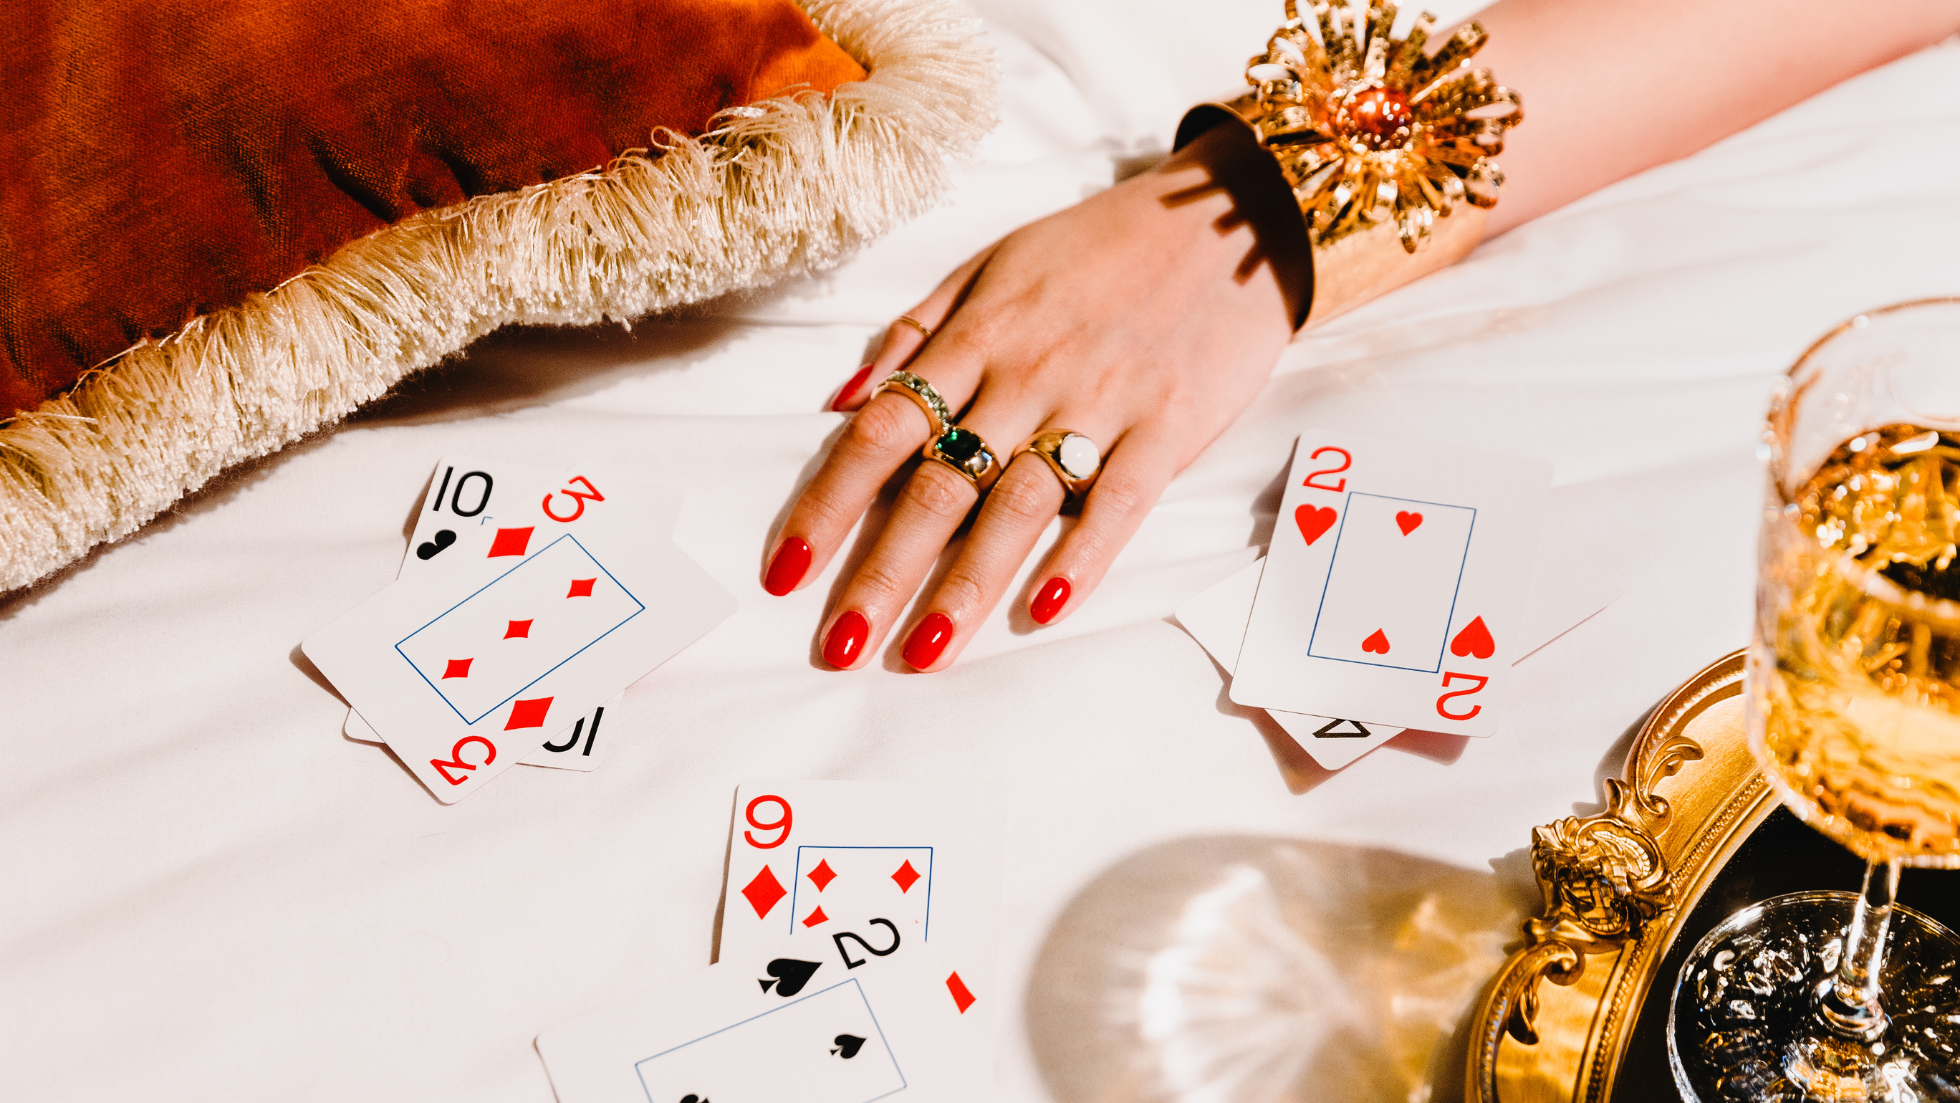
x=925, y=856
x=530, y=624
x=466, y=493
x=1395, y=582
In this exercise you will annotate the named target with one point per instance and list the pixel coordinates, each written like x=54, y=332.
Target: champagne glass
x=1854, y=714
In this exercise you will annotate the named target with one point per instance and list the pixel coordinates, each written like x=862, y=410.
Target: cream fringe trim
x=786, y=191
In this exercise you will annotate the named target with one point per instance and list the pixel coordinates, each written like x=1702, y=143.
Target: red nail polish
x=846, y=640
x=786, y=570
x=928, y=641
x=1049, y=601
x=850, y=388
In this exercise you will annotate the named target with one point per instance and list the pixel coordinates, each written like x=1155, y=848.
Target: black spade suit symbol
x=690, y=1097
x=792, y=973
x=427, y=549
x=847, y=1045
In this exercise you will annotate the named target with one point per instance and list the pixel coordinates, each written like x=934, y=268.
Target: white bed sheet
x=207, y=893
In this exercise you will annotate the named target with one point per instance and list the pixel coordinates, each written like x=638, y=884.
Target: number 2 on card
x=782, y=822
x=1451, y=676
x=1347, y=461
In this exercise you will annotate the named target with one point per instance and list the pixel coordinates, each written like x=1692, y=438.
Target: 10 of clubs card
x=1394, y=586
x=926, y=856
x=858, y=1013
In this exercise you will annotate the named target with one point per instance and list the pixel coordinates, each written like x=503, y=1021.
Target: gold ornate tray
x=1556, y=1021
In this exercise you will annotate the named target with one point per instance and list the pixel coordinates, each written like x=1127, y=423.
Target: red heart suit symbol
x=1407, y=522
x=1377, y=643
x=1473, y=640
x=1314, y=521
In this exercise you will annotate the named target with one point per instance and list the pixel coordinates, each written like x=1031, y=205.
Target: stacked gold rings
x=1073, y=458
x=922, y=395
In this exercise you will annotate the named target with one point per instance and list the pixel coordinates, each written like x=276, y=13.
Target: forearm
x=1611, y=88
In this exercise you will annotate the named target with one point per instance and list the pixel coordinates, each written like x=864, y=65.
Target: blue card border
x=519, y=565
x=1455, y=593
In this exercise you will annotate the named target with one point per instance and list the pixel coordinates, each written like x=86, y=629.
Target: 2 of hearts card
x=528, y=624
x=1394, y=587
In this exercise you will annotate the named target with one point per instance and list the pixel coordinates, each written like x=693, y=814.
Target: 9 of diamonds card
x=925, y=856
x=1394, y=588
x=533, y=621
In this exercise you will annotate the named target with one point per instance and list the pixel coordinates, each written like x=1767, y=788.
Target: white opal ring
x=1073, y=458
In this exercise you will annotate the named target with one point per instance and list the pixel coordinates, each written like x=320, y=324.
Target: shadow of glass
x=1249, y=969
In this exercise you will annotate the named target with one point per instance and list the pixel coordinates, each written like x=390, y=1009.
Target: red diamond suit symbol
x=764, y=892
x=528, y=714
x=822, y=876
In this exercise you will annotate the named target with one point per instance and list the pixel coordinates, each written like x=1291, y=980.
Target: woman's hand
x=1144, y=318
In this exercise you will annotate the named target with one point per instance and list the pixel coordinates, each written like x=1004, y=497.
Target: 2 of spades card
x=804, y=854
x=1394, y=585
x=859, y=1011
x=530, y=623
x=466, y=493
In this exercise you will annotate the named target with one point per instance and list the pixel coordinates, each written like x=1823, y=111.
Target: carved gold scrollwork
x=1609, y=890
x=1604, y=879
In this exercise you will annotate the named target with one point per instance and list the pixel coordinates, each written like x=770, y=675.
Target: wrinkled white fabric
x=207, y=893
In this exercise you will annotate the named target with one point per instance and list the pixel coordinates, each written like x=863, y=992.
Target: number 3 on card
x=455, y=759
x=1347, y=461
x=782, y=822
x=1451, y=676
x=578, y=500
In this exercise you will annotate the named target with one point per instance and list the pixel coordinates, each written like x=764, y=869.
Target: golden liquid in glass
x=1859, y=635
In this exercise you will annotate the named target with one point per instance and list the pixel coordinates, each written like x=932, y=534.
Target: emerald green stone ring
x=964, y=451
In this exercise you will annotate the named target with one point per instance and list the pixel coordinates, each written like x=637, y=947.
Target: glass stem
x=1849, y=1002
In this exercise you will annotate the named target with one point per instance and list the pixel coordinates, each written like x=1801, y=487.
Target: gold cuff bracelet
x=1386, y=150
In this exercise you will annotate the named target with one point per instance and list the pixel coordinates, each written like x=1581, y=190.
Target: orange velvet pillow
x=165, y=159
x=226, y=224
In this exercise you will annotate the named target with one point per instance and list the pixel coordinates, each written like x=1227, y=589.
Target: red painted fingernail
x=786, y=570
x=846, y=640
x=928, y=641
x=1054, y=594
x=850, y=388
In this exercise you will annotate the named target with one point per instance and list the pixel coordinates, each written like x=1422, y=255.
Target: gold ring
x=964, y=451
x=922, y=395
x=1073, y=458
x=907, y=319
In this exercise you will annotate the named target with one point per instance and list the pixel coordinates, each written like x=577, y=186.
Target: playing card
x=464, y=493
x=532, y=621
x=926, y=856
x=1394, y=585
x=1560, y=597
x=858, y=1014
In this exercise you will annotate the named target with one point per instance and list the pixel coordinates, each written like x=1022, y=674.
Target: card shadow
x=1251, y=967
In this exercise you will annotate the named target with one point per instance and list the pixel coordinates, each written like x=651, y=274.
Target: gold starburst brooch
x=1368, y=129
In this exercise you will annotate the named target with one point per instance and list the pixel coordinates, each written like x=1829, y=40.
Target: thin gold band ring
x=907, y=319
